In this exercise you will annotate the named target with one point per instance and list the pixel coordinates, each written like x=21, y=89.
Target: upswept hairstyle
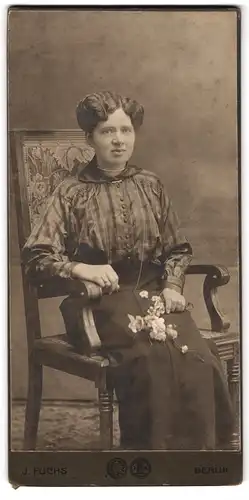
x=97, y=106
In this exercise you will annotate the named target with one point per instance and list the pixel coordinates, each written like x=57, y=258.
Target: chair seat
x=56, y=352
x=227, y=343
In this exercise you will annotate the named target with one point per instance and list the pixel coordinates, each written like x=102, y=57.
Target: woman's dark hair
x=98, y=106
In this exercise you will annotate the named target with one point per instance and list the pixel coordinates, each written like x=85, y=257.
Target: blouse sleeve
x=44, y=254
x=177, y=252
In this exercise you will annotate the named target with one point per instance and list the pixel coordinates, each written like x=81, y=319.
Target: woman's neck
x=111, y=170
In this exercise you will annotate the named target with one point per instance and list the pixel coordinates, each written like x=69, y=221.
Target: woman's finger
x=114, y=284
x=180, y=306
x=116, y=287
x=114, y=278
x=168, y=303
x=110, y=271
x=173, y=306
x=113, y=288
x=183, y=303
x=107, y=280
x=110, y=283
x=99, y=281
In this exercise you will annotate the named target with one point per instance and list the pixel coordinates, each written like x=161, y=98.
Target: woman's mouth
x=118, y=151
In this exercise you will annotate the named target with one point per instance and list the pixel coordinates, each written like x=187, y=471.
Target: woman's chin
x=117, y=161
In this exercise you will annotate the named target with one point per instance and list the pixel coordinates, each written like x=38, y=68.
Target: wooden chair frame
x=55, y=351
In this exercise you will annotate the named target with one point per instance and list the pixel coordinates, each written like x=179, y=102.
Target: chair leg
x=233, y=370
x=106, y=418
x=33, y=406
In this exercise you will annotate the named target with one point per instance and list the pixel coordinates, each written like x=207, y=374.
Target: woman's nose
x=117, y=139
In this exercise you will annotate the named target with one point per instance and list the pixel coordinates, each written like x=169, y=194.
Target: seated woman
x=114, y=225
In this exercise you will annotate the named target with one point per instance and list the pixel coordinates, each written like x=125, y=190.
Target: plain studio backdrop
x=182, y=67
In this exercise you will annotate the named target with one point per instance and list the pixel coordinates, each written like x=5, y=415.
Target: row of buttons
x=123, y=205
x=125, y=217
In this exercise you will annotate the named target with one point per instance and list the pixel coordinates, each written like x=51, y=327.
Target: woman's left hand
x=174, y=301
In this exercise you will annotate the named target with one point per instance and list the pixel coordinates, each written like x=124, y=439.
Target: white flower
x=144, y=294
x=184, y=349
x=159, y=308
x=159, y=336
x=139, y=323
x=156, y=298
x=149, y=320
x=150, y=310
x=132, y=324
x=171, y=332
x=158, y=329
x=136, y=323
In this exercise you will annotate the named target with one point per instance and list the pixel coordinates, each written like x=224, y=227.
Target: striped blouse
x=97, y=219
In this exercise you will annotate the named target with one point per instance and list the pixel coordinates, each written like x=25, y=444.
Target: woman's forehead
x=116, y=119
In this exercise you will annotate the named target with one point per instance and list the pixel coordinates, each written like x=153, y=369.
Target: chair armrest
x=58, y=287
x=216, y=276
x=76, y=309
x=80, y=326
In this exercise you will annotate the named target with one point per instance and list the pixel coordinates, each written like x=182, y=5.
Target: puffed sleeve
x=177, y=251
x=45, y=253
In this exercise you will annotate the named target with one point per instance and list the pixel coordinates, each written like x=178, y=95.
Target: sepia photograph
x=124, y=244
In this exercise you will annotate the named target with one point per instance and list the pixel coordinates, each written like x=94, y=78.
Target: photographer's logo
x=140, y=467
x=117, y=468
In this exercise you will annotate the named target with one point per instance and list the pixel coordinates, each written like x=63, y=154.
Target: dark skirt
x=167, y=399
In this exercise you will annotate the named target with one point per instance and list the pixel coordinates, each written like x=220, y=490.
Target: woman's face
x=113, y=139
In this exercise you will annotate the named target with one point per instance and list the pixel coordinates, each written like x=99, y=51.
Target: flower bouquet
x=153, y=323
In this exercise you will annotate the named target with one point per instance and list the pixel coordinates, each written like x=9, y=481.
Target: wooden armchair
x=39, y=161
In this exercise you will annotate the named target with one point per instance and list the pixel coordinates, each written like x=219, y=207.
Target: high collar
x=91, y=173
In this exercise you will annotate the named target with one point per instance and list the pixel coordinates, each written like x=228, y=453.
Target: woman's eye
x=109, y=131
x=106, y=131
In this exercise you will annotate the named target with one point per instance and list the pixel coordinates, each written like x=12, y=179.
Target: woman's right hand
x=102, y=275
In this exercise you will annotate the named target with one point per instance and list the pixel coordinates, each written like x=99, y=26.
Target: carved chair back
x=39, y=162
